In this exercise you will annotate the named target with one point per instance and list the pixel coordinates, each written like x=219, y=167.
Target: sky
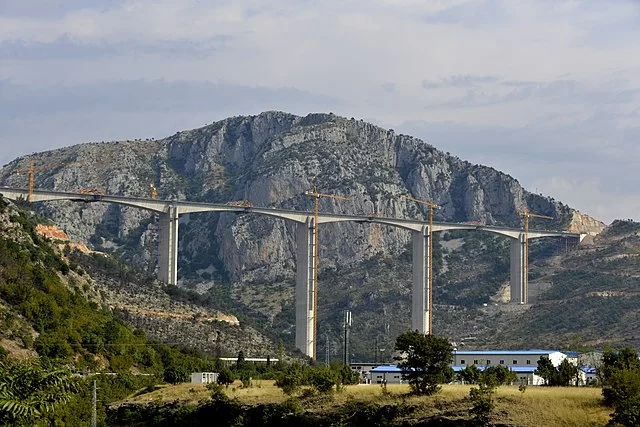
x=547, y=91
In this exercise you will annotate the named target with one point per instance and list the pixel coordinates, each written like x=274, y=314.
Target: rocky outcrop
x=581, y=223
x=270, y=160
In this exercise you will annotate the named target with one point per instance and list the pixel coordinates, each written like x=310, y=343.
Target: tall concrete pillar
x=519, y=281
x=420, y=292
x=305, y=286
x=168, y=246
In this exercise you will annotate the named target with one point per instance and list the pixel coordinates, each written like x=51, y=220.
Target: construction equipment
x=431, y=207
x=243, y=203
x=526, y=214
x=31, y=172
x=154, y=191
x=91, y=191
x=314, y=193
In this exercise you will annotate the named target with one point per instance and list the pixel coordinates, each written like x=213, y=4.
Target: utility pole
x=347, y=326
x=327, y=350
x=94, y=402
x=431, y=207
x=314, y=193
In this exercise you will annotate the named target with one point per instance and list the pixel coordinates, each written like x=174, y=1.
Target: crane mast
x=31, y=174
x=431, y=207
x=316, y=196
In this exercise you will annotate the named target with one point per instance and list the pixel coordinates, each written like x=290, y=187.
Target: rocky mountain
x=270, y=160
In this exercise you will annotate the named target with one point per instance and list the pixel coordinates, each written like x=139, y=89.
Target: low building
x=363, y=369
x=526, y=375
x=507, y=358
x=204, y=377
x=522, y=362
x=386, y=374
x=589, y=375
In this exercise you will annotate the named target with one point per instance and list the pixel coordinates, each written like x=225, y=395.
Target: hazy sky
x=547, y=91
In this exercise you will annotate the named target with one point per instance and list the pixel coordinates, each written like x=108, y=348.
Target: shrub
x=290, y=379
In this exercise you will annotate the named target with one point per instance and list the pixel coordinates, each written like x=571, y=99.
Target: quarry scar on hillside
x=170, y=211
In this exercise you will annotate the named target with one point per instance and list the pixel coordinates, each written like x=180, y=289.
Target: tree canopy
x=425, y=361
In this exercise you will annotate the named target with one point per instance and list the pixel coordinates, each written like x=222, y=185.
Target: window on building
x=462, y=361
x=515, y=362
x=488, y=362
x=502, y=362
x=475, y=362
x=528, y=362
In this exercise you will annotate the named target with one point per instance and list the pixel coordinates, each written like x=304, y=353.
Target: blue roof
x=499, y=352
x=386, y=368
x=516, y=369
x=589, y=369
x=572, y=353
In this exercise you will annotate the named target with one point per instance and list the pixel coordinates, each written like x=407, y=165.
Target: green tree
x=425, y=361
x=175, y=374
x=495, y=376
x=568, y=374
x=28, y=391
x=482, y=400
x=547, y=371
x=469, y=375
x=322, y=379
x=346, y=375
x=225, y=377
x=627, y=413
x=290, y=379
x=620, y=376
x=240, y=362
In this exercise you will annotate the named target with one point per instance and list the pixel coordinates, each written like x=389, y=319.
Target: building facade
x=204, y=377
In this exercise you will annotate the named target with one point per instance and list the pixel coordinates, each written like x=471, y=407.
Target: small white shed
x=204, y=377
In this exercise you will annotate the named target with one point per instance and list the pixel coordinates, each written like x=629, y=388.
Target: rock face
x=270, y=160
x=581, y=223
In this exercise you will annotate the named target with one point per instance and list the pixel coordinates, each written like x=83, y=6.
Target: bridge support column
x=168, y=246
x=420, y=293
x=519, y=280
x=305, y=286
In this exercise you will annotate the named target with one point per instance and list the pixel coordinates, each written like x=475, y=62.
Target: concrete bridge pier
x=305, y=286
x=519, y=280
x=420, y=319
x=168, y=246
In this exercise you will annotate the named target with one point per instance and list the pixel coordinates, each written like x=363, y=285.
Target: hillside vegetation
x=54, y=318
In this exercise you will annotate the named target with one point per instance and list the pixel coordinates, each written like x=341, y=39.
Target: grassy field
x=536, y=407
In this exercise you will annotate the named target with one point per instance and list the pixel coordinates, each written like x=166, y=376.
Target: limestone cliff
x=270, y=160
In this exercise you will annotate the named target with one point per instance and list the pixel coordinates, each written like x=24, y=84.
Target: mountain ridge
x=270, y=160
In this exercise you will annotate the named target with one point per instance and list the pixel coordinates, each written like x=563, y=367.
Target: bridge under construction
x=306, y=243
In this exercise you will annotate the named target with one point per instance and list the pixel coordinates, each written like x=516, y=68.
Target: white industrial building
x=522, y=362
x=204, y=377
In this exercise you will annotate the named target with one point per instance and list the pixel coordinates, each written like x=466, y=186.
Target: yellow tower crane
x=316, y=196
x=31, y=173
x=526, y=214
x=153, y=190
x=431, y=207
